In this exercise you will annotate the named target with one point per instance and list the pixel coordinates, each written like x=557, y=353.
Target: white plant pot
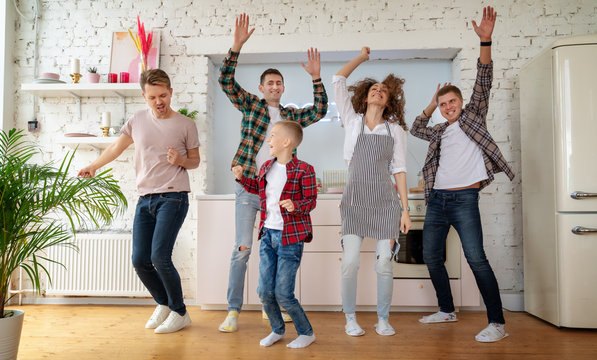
x=10, y=334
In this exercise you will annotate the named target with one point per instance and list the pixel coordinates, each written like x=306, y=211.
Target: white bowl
x=48, y=75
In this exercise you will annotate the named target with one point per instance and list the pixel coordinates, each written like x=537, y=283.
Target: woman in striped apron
x=374, y=149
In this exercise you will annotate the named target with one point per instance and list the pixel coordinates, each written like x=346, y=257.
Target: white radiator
x=101, y=267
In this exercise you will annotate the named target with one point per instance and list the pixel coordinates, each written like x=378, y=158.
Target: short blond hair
x=293, y=130
x=154, y=77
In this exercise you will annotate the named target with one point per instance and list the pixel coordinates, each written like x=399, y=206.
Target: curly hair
x=394, y=111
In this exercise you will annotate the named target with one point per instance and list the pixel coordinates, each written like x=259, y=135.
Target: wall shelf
x=77, y=91
x=83, y=90
x=88, y=142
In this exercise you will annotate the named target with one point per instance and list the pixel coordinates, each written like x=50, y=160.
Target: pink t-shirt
x=152, y=137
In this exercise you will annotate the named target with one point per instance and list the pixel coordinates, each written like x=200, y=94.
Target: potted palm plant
x=41, y=206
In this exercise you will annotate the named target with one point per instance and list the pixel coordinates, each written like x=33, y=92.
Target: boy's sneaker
x=159, y=316
x=439, y=317
x=173, y=323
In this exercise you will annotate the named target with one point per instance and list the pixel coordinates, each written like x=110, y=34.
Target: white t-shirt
x=352, y=128
x=152, y=136
x=460, y=161
x=276, y=179
x=263, y=153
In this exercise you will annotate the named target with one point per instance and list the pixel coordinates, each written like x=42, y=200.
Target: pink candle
x=124, y=77
x=112, y=77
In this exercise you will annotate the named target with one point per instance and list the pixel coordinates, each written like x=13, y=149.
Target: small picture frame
x=126, y=58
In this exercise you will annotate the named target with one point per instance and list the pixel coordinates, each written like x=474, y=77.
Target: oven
x=410, y=256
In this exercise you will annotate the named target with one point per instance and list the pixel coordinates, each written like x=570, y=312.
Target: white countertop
x=319, y=196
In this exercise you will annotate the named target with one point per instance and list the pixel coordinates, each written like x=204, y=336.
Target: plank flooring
x=79, y=332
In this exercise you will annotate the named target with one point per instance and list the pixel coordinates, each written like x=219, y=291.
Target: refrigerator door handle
x=579, y=195
x=581, y=230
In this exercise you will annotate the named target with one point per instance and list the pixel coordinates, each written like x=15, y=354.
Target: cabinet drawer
x=327, y=212
x=420, y=292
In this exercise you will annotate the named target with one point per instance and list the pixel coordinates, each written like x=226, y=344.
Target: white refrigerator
x=558, y=118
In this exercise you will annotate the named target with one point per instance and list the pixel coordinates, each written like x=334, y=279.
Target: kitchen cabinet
x=318, y=283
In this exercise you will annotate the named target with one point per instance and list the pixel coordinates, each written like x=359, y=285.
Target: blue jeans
x=277, y=274
x=247, y=205
x=158, y=219
x=460, y=209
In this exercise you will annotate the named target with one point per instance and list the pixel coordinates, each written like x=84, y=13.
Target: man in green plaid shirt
x=259, y=115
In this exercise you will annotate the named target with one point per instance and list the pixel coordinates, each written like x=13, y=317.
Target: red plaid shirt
x=300, y=187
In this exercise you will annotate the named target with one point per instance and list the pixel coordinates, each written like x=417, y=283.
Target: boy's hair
x=293, y=130
x=268, y=72
x=154, y=77
x=448, y=89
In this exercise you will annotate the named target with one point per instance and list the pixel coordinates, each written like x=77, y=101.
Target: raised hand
x=439, y=86
x=287, y=204
x=238, y=171
x=365, y=51
x=241, y=32
x=485, y=30
x=313, y=66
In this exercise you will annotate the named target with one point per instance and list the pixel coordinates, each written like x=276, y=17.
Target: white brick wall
x=192, y=29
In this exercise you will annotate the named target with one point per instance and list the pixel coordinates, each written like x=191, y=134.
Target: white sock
x=301, y=342
x=271, y=339
x=352, y=328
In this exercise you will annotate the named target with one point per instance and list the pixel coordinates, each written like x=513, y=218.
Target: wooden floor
x=117, y=332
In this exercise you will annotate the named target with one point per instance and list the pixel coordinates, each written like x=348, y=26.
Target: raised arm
x=484, y=31
x=479, y=102
x=235, y=93
x=347, y=69
x=313, y=66
x=312, y=114
x=419, y=128
x=241, y=32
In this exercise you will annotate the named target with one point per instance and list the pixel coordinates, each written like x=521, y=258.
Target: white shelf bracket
x=78, y=99
x=123, y=98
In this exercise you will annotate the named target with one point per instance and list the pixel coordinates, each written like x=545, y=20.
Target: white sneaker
x=384, y=328
x=230, y=324
x=438, y=317
x=159, y=315
x=173, y=323
x=492, y=333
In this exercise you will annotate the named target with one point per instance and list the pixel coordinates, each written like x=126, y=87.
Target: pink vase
x=93, y=78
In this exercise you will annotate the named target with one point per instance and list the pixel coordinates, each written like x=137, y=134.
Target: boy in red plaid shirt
x=287, y=194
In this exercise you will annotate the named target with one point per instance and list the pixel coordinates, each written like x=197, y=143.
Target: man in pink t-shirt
x=166, y=146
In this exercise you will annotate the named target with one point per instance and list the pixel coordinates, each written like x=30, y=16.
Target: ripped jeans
x=351, y=245
x=247, y=205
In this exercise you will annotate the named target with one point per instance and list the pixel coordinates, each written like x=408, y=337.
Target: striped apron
x=370, y=205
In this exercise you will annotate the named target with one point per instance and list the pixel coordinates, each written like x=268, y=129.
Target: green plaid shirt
x=256, y=115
